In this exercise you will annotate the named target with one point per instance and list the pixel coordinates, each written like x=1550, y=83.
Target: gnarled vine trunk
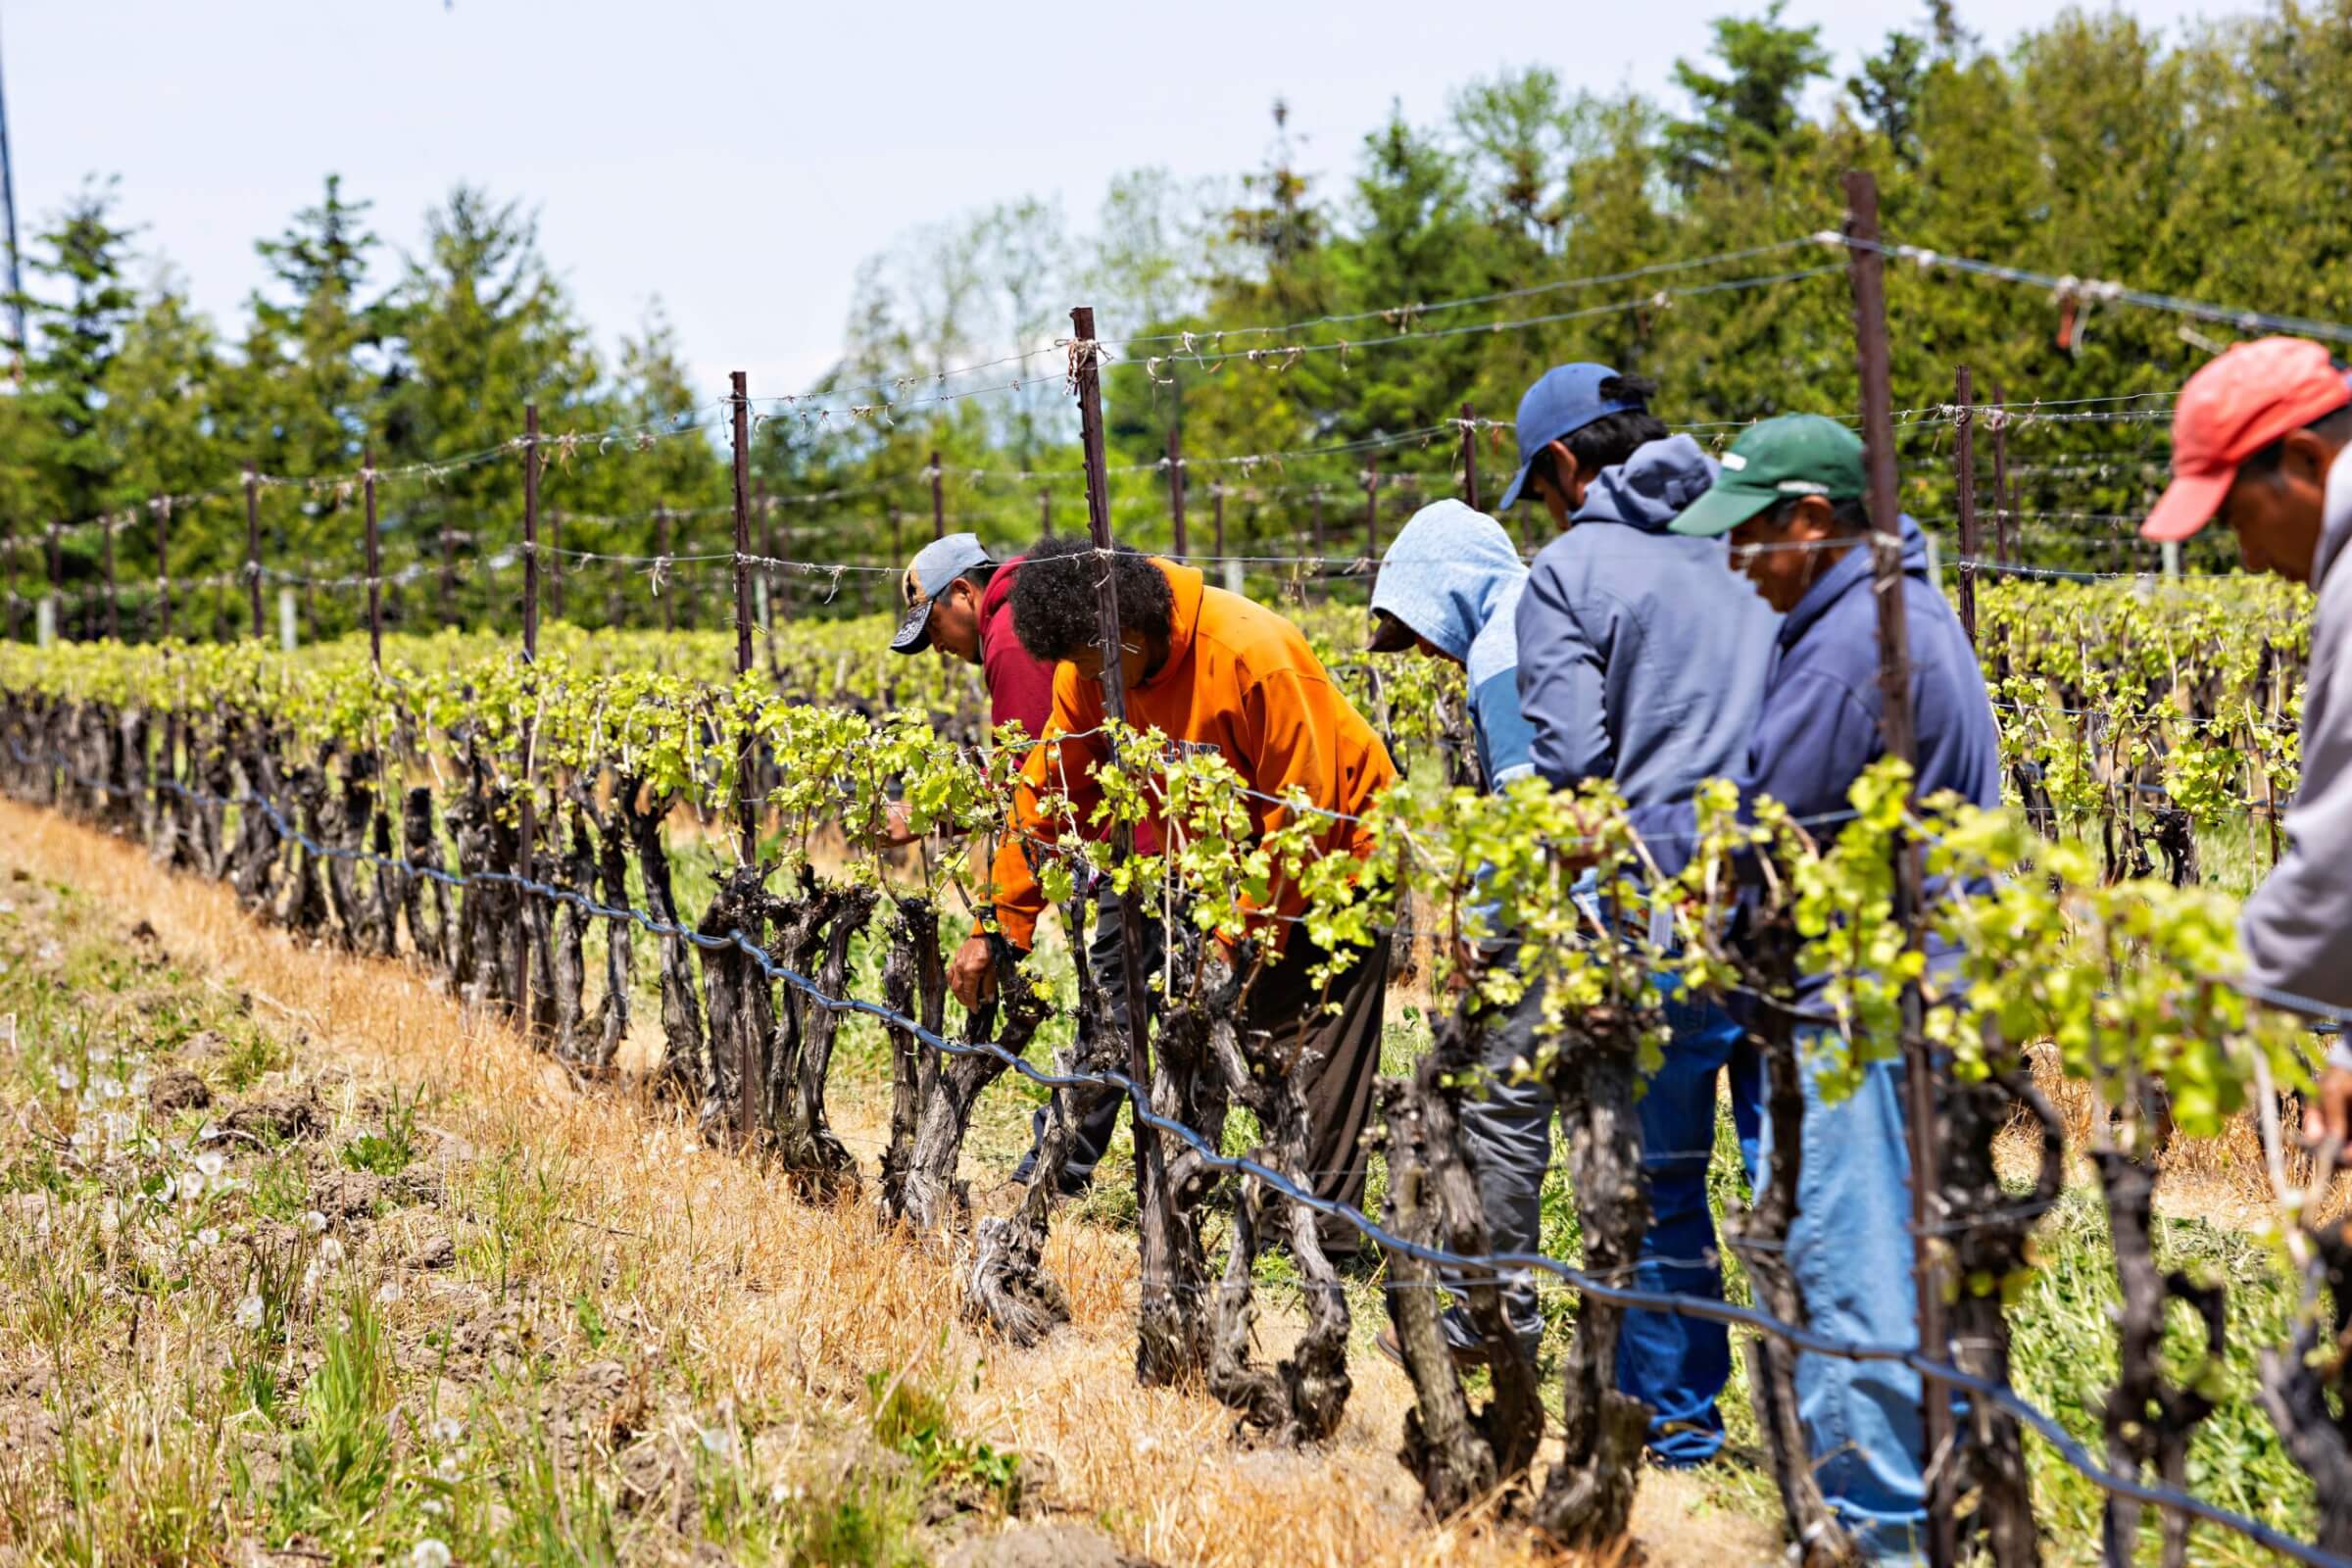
x=2147, y=1419
x=1302, y=1397
x=1589, y=1495
x=933, y=1094
x=1459, y=1453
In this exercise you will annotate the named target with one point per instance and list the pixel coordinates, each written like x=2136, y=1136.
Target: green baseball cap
x=1794, y=455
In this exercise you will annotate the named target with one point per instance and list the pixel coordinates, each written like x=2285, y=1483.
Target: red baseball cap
x=2249, y=397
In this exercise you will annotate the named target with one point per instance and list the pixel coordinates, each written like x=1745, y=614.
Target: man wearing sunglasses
x=958, y=602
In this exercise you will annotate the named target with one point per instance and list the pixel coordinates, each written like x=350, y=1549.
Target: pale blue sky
x=738, y=161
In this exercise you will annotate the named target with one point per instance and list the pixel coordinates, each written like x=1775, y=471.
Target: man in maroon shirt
x=959, y=601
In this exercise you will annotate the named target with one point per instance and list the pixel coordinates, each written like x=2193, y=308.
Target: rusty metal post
x=1470, y=457
x=252, y=555
x=375, y=578
x=939, y=498
x=57, y=580
x=1152, y=1172
x=1044, y=509
x=1964, y=493
x=530, y=531
x=746, y=815
x=1176, y=490
x=749, y=1093
x=1372, y=513
x=162, y=505
x=526, y=841
x=1314, y=511
x=1867, y=265
x=2001, y=477
x=1216, y=514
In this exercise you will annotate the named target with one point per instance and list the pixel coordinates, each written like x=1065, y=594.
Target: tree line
x=2211, y=163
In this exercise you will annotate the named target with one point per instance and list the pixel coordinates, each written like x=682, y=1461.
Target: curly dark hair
x=1054, y=597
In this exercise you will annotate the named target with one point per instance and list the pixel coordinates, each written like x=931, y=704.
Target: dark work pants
x=1096, y=1119
x=1340, y=1054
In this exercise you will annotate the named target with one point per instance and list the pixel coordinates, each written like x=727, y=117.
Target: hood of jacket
x=1852, y=569
x=1651, y=488
x=1455, y=577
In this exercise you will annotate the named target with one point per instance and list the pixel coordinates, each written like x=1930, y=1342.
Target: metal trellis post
x=375, y=578
x=1964, y=485
x=1087, y=377
x=1895, y=722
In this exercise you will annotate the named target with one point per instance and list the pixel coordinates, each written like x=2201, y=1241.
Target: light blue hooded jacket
x=1454, y=576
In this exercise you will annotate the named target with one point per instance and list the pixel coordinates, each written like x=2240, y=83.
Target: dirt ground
x=441, y=1294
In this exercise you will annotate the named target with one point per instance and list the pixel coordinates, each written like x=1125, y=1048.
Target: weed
x=249, y=1055
x=393, y=1149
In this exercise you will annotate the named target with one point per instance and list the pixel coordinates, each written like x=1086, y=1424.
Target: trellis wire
x=1509, y=1267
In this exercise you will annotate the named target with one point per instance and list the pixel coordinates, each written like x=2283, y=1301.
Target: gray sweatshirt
x=2297, y=927
x=1642, y=653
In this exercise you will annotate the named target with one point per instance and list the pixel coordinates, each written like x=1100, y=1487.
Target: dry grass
x=775, y=1311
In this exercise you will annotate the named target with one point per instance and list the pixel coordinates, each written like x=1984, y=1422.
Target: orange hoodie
x=1239, y=677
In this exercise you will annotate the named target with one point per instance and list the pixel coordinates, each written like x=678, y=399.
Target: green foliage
x=2038, y=150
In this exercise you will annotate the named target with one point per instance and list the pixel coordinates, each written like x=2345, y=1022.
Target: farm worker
x=1791, y=497
x=958, y=602
x=1450, y=586
x=2258, y=440
x=1204, y=666
x=1641, y=661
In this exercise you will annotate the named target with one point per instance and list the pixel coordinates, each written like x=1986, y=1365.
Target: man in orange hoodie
x=1204, y=666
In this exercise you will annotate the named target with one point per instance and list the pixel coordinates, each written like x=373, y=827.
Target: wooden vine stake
x=1154, y=1198
x=1964, y=486
x=527, y=835
x=749, y=1079
x=374, y=549
x=1867, y=267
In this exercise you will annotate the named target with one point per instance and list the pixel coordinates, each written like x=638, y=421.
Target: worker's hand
x=2329, y=1114
x=972, y=972
x=894, y=830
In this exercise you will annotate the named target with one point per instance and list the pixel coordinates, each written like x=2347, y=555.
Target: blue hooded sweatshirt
x=1818, y=728
x=1642, y=656
x=1454, y=576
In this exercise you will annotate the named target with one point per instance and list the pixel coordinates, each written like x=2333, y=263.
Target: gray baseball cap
x=935, y=565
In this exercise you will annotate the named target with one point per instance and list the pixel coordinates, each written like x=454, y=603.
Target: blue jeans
x=1675, y=1365
x=1850, y=1249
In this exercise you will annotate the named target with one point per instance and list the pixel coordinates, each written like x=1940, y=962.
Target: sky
x=737, y=162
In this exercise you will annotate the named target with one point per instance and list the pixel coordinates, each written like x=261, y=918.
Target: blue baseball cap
x=1563, y=401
